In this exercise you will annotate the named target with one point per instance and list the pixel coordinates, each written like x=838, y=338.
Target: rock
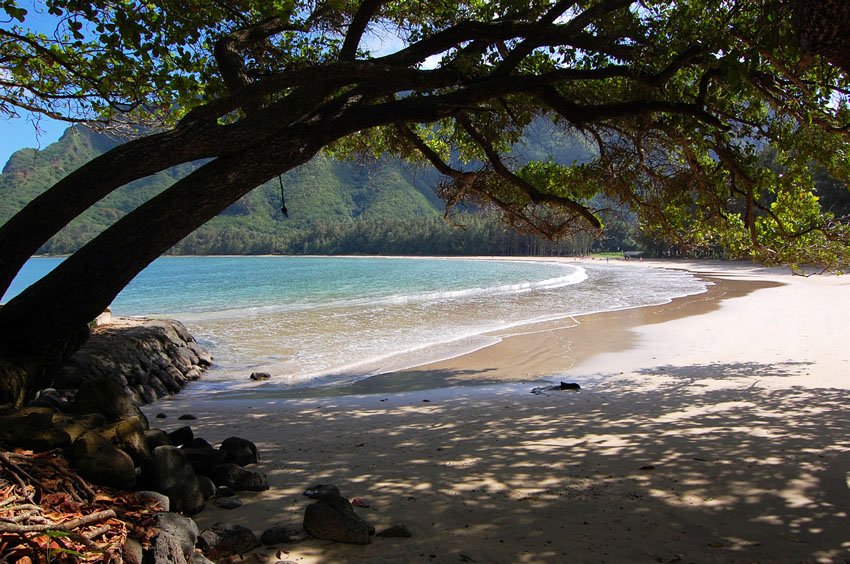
x=77, y=426
x=129, y=435
x=175, y=542
x=187, y=417
x=207, y=487
x=260, y=376
x=170, y=473
x=98, y=461
x=333, y=518
x=132, y=551
x=198, y=558
x=182, y=528
x=198, y=442
x=181, y=435
x=32, y=428
x=108, y=397
x=227, y=502
x=204, y=357
x=203, y=460
x=157, y=437
x=239, y=479
x=239, y=451
x=224, y=491
x=226, y=539
x=396, y=531
x=322, y=491
x=280, y=534
x=51, y=398
x=150, y=357
x=160, y=499
x=571, y=386
x=161, y=415
x=185, y=359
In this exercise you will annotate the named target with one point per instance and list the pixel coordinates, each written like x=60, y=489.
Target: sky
x=23, y=133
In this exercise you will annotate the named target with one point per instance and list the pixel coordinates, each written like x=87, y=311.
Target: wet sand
x=711, y=429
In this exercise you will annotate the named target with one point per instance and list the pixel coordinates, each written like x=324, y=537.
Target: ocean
x=312, y=320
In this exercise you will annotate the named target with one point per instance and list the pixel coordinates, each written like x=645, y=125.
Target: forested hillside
x=334, y=207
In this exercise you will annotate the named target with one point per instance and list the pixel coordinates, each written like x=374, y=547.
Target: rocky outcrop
x=150, y=358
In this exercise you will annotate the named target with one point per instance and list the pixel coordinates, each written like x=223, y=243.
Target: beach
x=710, y=429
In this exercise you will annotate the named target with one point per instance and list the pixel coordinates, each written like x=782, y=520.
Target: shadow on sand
x=615, y=473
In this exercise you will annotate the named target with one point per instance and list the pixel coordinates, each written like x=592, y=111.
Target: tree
x=679, y=98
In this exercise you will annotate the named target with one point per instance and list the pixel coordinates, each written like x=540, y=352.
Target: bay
x=309, y=320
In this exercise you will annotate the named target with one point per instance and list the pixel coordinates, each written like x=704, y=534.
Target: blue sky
x=23, y=132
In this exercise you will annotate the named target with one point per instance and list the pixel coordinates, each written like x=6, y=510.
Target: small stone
x=159, y=498
x=280, y=534
x=129, y=435
x=187, y=417
x=239, y=451
x=207, y=487
x=198, y=442
x=396, y=531
x=98, y=461
x=227, y=502
x=569, y=386
x=49, y=397
x=33, y=428
x=181, y=435
x=224, y=491
x=170, y=473
x=132, y=551
x=333, y=518
x=161, y=415
x=157, y=437
x=260, y=376
x=108, y=397
x=322, y=491
x=226, y=539
x=175, y=541
x=238, y=478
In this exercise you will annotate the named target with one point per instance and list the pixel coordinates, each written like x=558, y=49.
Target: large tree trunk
x=44, y=324
x=38, y=221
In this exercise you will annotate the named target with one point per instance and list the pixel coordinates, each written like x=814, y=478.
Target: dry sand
x=713, y=429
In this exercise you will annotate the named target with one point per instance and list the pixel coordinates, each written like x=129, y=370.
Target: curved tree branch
x=357, y=27
x=529, y=189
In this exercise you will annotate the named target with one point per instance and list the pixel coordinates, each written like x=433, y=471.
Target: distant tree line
x=471, y=234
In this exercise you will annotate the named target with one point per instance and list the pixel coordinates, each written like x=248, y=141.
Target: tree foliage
x=680, y=99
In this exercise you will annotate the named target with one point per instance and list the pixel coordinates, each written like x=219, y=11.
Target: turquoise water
x=308, y=318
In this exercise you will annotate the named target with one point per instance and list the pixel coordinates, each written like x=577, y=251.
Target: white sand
x=741, y=412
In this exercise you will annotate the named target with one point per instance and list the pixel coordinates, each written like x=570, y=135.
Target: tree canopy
x=682, y=100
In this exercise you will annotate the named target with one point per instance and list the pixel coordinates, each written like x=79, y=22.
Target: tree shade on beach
x=680, y=100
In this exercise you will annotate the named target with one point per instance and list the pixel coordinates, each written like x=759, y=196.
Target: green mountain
x=382, y=207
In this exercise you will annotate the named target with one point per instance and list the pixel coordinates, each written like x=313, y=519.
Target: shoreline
x=717, y=434
x=532, y=352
